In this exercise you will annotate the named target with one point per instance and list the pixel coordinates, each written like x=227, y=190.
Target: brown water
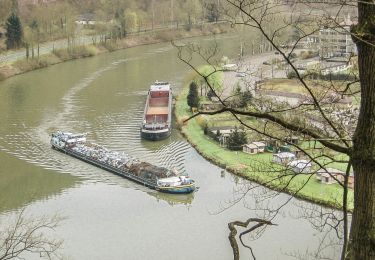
x=109, y=217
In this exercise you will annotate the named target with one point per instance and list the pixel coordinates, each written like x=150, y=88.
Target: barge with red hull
x=157, y=116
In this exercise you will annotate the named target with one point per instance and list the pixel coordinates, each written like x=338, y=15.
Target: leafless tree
x=319, y=116
x=25, y=235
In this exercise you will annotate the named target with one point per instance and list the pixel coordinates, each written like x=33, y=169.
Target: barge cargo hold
x=154, y=177
x=157, y=116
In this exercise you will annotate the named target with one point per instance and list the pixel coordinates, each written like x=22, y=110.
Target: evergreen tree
x=236, y=140
x=193, y=98
x=13, y=32
x=245, y=98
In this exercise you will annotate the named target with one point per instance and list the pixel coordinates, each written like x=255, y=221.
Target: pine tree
x=13, y=32
x=193, y=98
x=236, y=140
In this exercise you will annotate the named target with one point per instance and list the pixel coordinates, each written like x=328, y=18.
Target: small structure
x=332, y=175
x=86, y=19
x=283, y=158
x=221, y=133
x=300, y=166
x=329, y=176
x=250, y=148
x=261, y=146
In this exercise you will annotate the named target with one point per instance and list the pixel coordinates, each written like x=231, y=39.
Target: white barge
x=154, y=177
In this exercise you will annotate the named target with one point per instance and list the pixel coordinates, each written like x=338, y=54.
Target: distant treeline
x=50, y=20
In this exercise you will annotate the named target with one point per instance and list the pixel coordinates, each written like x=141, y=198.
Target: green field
x=259, y=167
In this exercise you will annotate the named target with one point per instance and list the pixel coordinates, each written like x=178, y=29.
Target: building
x=260, y=145
x=86, y=19
x=283, y=158
x=337, y=41
x=331, y=175
x=250, y=148
x=300, y=166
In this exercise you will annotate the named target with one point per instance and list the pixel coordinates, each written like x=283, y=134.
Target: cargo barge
x=157, y=116
x=124, y=165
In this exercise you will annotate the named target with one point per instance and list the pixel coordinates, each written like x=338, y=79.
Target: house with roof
x=331, y=175
x=250, y=148
x=260, y=145
x=300, y=166
x=86, y=19
x=283, y=157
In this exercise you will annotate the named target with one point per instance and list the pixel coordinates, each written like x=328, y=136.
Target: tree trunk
x=362, y=239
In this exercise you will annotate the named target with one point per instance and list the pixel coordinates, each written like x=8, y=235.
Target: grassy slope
x=242, y=164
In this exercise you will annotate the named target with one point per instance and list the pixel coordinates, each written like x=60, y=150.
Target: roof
x=330, y=171
x=160, y=86
x=259, y=144
x=251, y=146
x=300, y=164
x=284, y=155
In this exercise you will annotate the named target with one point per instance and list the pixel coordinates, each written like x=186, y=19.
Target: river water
x=108, y=217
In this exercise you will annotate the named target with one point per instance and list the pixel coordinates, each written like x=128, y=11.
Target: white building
x=300, y=166
x=250, y=148
x=283, y=158
x=337, y=41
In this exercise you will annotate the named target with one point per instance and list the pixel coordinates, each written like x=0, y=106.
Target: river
x=108, y=217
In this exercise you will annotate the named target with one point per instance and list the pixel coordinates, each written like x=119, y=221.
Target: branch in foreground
x=233, y=233
x=29, y=236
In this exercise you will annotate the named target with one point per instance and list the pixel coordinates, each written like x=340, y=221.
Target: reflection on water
x=20, y=184
x=173, y=199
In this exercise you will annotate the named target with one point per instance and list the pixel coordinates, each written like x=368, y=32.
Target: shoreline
x=187, y=131
x=58, y=56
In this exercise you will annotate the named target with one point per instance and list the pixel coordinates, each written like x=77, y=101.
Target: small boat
x=124, y=165
x=157, y=116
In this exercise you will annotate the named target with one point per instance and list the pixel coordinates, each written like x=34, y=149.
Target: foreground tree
x=26, y=235
x=354, y=145
x=13, y=32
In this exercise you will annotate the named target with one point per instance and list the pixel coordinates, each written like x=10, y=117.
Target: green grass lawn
x=257, y=167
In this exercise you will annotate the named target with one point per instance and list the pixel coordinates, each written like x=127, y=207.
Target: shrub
x=91, y=50
x=201, y=121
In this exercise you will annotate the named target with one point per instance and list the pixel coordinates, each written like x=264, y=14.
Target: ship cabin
x=157, y=111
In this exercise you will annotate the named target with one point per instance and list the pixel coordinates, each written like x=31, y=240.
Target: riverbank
x=248, y=166
x=57, y=56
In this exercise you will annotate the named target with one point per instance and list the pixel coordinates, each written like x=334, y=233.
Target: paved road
x=250, y=70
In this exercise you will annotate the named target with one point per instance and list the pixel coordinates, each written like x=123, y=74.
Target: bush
x=91, y=50
x=202, y=122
